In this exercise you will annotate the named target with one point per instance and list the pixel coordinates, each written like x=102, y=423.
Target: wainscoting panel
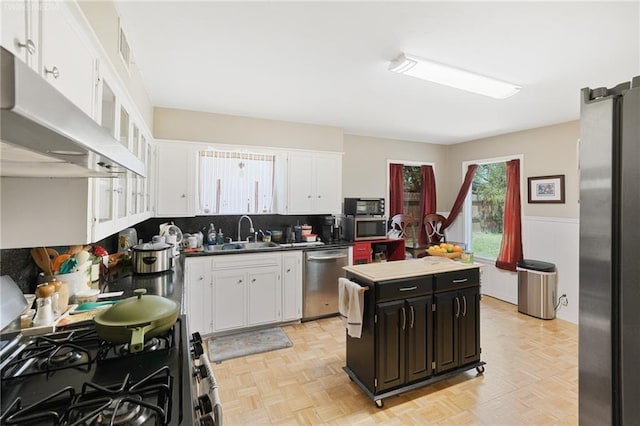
x=556, y=240
x=549, y=239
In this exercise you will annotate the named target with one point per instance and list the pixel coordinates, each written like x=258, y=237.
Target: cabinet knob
x=253, y=280
x=183, y=196
x=319, y=196
x=200, y=278
x=239, y=281
x=308, y=196
x=288, y=270
x=53, y=71
x=29, y=45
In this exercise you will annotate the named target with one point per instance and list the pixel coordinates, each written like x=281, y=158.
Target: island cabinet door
x=470, y=326
x=446, y=326
x=419, y=338
x=390, y=344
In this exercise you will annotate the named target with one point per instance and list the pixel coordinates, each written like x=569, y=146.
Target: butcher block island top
x=384, y=271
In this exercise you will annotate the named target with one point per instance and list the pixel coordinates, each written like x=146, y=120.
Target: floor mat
x=252, y=342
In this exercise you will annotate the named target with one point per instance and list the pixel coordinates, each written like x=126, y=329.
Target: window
x=484, y=208
x=412, y=189
x=235, y=182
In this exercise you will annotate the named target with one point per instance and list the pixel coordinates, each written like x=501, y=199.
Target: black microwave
x=364, y=206
x=360, y=228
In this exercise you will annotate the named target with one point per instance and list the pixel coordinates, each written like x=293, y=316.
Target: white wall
x=548, y=239
x=197, y=126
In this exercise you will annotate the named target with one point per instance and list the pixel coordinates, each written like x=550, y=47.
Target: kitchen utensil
x=74, y=249
x=149, y=258
x=58, y=261
x=89, y=306
x=69, y=265
x=137, y=318
x=41, y=258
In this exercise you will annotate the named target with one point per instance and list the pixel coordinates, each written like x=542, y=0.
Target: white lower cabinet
x=292, y=285
x=198, y=294
x=231, y=292
x=229, y=295
x=264, y=295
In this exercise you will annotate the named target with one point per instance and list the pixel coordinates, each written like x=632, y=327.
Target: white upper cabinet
x=68, y=62
x=314, y=183
x=21, y=30
x=175, y=179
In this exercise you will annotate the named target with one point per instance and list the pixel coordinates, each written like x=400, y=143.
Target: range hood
x=43, y=134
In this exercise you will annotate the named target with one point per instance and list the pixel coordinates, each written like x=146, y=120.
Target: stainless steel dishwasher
x=322, y=268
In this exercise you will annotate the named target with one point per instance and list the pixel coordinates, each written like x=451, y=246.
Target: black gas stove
x=72, y=377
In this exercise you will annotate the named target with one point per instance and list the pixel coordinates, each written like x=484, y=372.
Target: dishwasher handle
x=330, y=257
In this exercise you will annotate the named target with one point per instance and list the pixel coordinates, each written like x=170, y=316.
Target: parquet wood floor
x=531, y=378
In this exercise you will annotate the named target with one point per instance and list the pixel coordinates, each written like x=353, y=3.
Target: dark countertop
x=168, y=284
x=284, y=247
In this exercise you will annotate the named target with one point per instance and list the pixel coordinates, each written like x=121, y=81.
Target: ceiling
x=326, y=62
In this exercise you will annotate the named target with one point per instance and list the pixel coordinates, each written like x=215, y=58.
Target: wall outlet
x=564, y=301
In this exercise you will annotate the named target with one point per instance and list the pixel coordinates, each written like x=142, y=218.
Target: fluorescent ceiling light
x=452, y=77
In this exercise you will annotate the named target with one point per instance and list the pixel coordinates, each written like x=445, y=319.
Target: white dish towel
x=351, y=306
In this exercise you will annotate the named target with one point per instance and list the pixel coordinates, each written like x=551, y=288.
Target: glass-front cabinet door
x=104, y=202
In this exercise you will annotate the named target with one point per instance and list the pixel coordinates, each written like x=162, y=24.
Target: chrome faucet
x=250, y=226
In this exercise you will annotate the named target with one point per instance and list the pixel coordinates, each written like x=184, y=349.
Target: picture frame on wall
x=546, y=189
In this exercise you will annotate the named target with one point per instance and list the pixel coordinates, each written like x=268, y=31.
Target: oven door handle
x=213, y=390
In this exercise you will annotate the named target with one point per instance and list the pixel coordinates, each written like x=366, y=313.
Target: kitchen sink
x=243, y=245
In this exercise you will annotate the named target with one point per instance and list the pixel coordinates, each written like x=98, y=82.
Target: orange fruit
x=457, y=249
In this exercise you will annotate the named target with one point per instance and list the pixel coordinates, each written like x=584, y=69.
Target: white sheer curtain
x=235, y=182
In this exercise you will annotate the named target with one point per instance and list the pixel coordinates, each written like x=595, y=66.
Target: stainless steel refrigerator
x=609, y=160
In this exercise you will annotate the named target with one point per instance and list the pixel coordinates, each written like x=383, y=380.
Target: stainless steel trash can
x=537, y=288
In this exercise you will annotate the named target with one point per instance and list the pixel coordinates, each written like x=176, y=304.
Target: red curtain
x=462, y=194
x=396, y=189
x=511, y=245
x=427, y=199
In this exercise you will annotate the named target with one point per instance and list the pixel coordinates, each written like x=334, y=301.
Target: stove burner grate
x=147, y=402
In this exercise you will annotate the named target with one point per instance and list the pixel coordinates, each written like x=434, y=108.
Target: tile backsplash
x=17, y=263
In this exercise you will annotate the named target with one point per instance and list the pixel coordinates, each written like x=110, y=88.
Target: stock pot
x=149, y=258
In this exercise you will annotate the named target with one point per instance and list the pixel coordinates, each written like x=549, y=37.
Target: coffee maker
x=327, y=233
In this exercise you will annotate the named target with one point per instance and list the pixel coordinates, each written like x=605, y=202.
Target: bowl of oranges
x=445, y=250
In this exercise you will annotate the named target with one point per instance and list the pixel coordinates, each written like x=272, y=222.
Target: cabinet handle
x=463, y=280
x=183, y=196
x=253, y=280
x=457, y=307
x=464, y=306
x=201, y=278
x=55, y=72
x=239, y=281
x=29, y=45
x=308, y=196
x=404, y=318
x=408, y=288
x=319, y=196
x=413, y=316
x=288, y=270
